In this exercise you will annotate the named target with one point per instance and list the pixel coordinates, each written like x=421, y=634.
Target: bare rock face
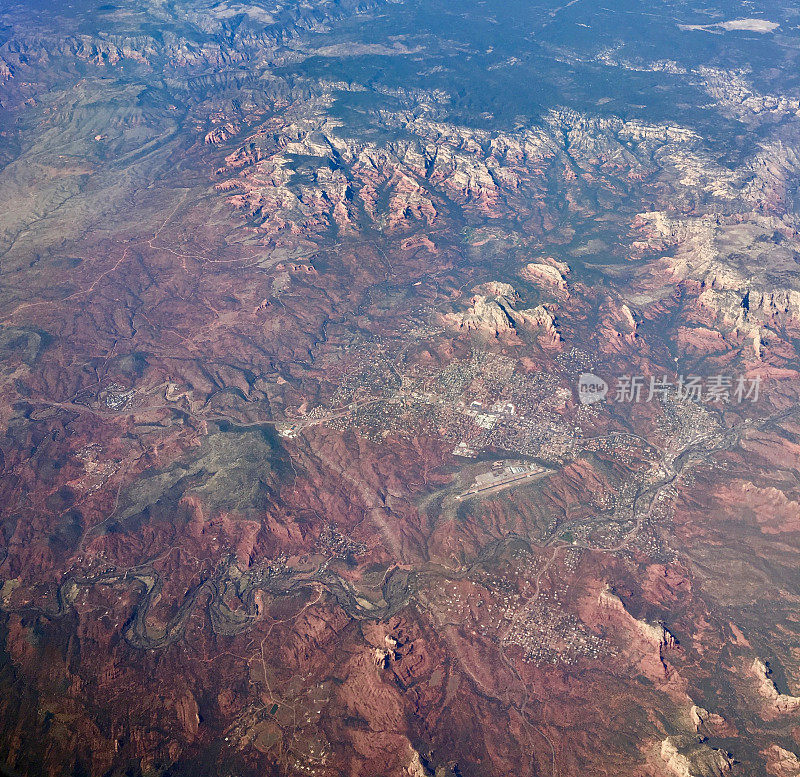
x=610, y=600
x=732, y=90
x=492, y=311
x=180, y=585
x=657, y=634
x=432, y=167
x=781, y=702
x=689, y=757
x=703, y=718
x=646, y=643
x=743, y=268
x=547, y=276
x=541, y=318
x=349, y=182
x=380, y=657
x=416, y=768
x=752, y=255
x=781, y=762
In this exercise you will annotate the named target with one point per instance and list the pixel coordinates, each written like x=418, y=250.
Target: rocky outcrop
x=493, y=314
x=610, y=600
x=743, y=268
x=771, y=174
x=542, y=319
x=781, y=702
x=656, y=633
x=702, y=717
x=492, y=311
x=548, y=276
x=380, y=657
x=690, y=757
x=304, y=171
x=732, y=91
x=416, y=768
x=188, y=715
x=781, y=762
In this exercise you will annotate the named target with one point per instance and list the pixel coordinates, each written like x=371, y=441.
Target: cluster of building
x=548, y=634
x=337, y=545
x=544, y=435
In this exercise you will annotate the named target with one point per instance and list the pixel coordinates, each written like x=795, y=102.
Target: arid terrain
x=399, y=388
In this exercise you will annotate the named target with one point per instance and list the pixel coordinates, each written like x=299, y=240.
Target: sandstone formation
x=782, y=762
x=289, y=485
x=687, y=757
x=781, y=702
x=492, y=310
x=548, y=276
